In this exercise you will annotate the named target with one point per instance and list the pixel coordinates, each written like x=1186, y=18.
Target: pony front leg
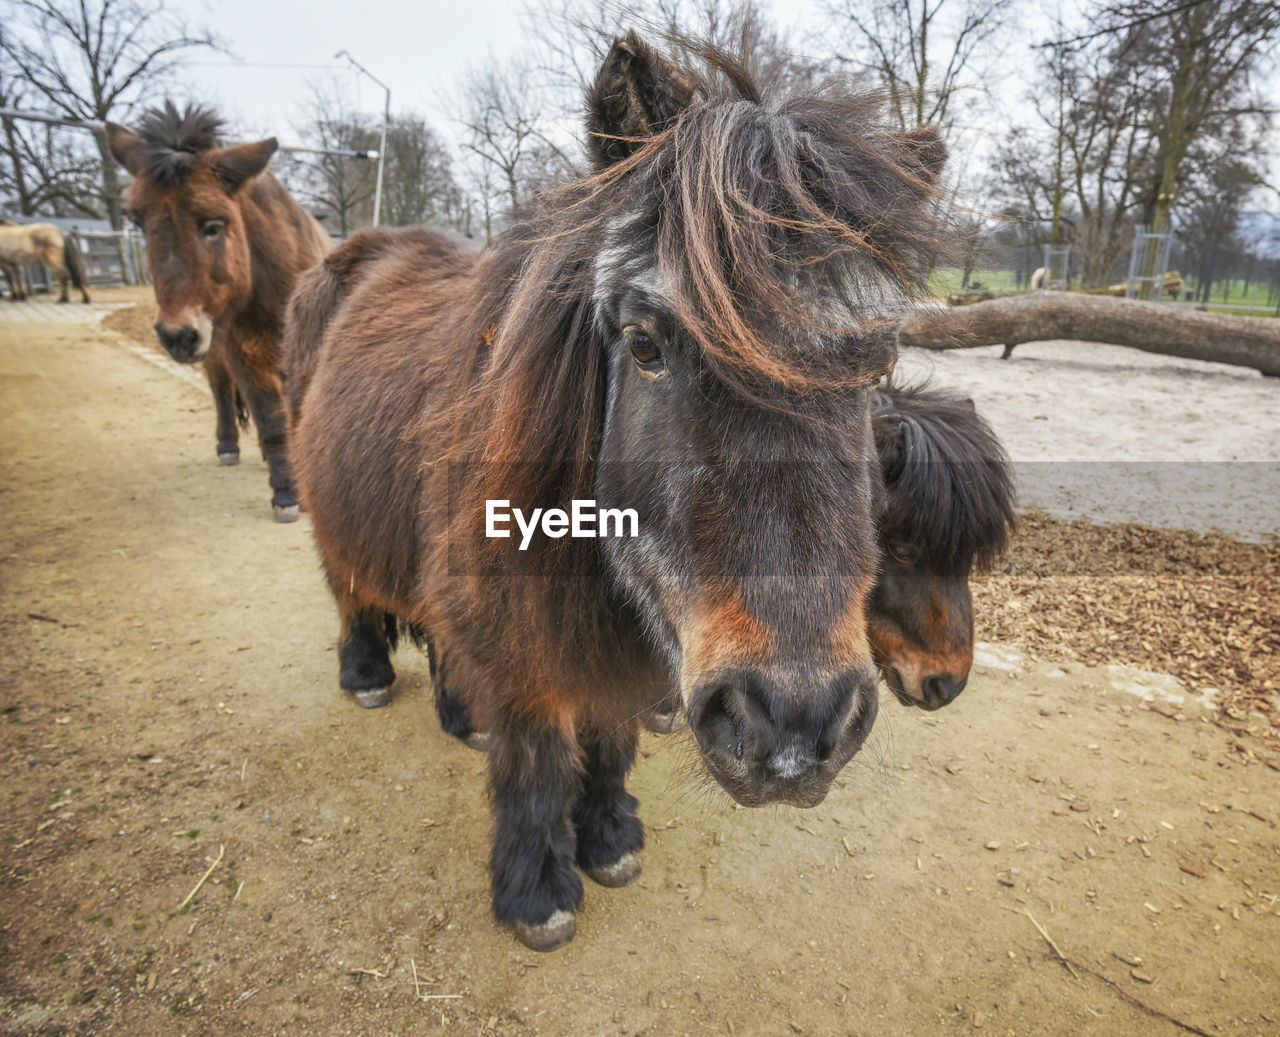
x=610, y=834
x=224, y=400
x=266, y=404
x=364, y=656
x=535, y=780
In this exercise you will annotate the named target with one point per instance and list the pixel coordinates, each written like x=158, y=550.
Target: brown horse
x=25, y=244
x=226, y=244
x=689, y=334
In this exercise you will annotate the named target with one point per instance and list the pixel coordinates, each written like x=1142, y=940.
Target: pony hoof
x=620, y=873
x=287, y=514
x=372, y=698
x=229, y=459
x=664, y=723
x=555, y=932
x=480, y=741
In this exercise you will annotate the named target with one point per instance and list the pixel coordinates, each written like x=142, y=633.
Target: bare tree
x=1211, y=220
x=339, y=188
x=521, y=119
x=925, y=52
x=1133, y=113
x=511, y=136
x=419, y=184
x=1199, y=62
x=1080, y=168
x=95, y=59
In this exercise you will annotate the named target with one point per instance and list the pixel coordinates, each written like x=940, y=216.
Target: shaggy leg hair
x=609, y=832
x=267, y=408
x=534, y=781
x=364, y=656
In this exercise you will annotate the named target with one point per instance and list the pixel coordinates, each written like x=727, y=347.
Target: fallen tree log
x=1150, y=326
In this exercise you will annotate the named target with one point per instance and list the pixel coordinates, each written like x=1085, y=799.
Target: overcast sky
x=422, y=50
x=418, y=49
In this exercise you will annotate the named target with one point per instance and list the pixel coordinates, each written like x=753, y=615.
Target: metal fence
x=110, y=258
x=1057, y=267
x=1147, y=263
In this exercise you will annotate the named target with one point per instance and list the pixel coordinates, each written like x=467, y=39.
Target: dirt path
x=1126, y=436
x=169, y=692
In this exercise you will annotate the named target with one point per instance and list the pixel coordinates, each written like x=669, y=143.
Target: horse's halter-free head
x=185, y=197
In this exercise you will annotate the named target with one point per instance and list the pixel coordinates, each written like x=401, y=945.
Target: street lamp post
x=382, y=145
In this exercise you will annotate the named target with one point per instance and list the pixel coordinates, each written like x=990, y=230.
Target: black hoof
x=618, y=874
x=555, y=932
x=372, y=698
x=228, y=457
x=286, y=514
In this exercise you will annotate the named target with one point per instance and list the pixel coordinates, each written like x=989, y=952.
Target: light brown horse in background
x=23, y=244
x=226, y=244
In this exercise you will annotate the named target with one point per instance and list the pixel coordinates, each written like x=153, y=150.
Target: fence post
x=126, y=272
x=1150, y=252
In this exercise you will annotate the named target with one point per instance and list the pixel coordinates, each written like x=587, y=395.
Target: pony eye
x=212, y=228
x=902, y=551
x=644, y=350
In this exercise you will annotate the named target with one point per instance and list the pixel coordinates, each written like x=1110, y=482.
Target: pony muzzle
x=770, y=738
x=186, y=342
x=927, y=682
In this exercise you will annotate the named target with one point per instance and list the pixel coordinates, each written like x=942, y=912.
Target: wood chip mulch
x=1202, y=607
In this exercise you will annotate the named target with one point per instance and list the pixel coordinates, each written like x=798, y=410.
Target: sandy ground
x=1126, y=436
x=169, y=700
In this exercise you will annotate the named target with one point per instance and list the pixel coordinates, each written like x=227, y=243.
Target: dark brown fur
x=759, y=245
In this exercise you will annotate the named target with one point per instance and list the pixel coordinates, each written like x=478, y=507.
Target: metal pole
x=52, y=120
x=382, y=148
x=382, y=151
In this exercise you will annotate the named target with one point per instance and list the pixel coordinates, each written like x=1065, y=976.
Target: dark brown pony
x=692, y=332
x=948, y=509
x=27, y=244
x=226, y=244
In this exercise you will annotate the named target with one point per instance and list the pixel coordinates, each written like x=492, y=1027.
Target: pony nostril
x=716, y=721
x=942, y=689
x=864, y=719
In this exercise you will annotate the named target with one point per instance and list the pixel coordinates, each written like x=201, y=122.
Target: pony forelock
x=174, y=138
x=948, y=483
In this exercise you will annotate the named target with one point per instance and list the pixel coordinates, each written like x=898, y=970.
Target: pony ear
x=241, y=162
x=126, y=147
x=925, y=146
x=967, y=403
x=637, y=93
